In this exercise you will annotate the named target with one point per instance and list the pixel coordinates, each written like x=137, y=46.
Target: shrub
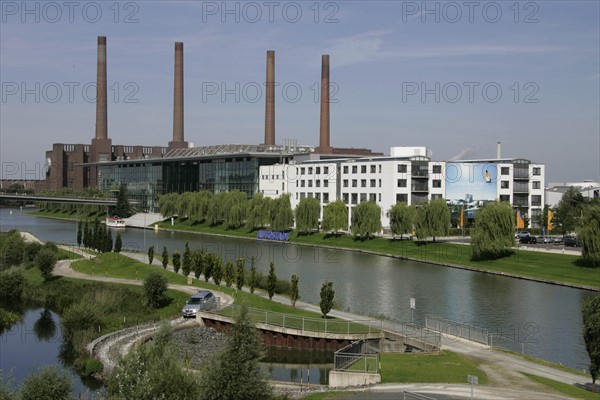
x=45, y=261
x=12, y=282
x=49, y=382
x=80, y=316
x=327, y=295
x=155, y=289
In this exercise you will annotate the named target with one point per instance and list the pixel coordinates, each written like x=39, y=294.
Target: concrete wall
x=341, y=379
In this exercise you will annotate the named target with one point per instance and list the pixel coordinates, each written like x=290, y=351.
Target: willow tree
x=282, y=216
x=432, y=219
x=590, y=310
x=258, y=212
x=335, y=217
x=401, y=217
x=492, y=236
x=167, y=204
x=200, y=205
x=589, y=235
x=366, y=219
x=185, y=203
x=307, y=214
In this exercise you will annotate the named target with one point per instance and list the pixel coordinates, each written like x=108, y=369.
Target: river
x=540, y=319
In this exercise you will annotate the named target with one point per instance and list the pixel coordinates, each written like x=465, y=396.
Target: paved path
x=504, y=370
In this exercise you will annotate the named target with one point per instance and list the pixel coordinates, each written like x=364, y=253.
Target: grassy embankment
x=558, y=268
x=564, y=388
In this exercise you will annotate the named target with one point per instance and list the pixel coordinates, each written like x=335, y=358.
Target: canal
x=543, y=320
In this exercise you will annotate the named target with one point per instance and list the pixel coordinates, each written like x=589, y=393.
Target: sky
x=456, y=77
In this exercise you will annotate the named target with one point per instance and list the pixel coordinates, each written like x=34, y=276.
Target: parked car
x=528, y=239
x=519, y=235
x=571, y=241
x=545, y=239
x=204, y=300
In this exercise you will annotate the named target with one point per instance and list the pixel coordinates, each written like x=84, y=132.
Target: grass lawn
x=564, y=388
x=544, y=362
x=559, y=268
x=442, y=367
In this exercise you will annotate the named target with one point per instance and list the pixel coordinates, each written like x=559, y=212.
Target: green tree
x=327, y=295
x=168, y=204
x=49, y=382
x=295, y=291
x=209, y=266
x=123, y=208
x=12, y=283
x=118, y=243
x=307, y=214
x=150, y=254
x=186, y=265
x=258, y=212
x=155, y=289
x=271, y=280
x=568, y=211
x=229, y=273
x=335, y=217
x=235, y=374
x=45, y=261
x=432, y=219
x=401, y=217
x=108, y=241
x=493, y=235
x=240, y=275
x=198, y=263
x=165, y=257
x=176, y=261
x=253, y=277
x=79, y=233
x=12, y=249
x=282, y=216
x=366, y=219
x=589, y=235
x=86, y=235
x=217, y=270
x=590, y=310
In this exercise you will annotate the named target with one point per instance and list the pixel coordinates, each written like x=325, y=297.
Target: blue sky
x=384, y=56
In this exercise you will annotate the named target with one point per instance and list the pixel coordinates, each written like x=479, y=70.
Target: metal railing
x=465, y=331
x=359, y=357
x=409, y=330
x=307, y=324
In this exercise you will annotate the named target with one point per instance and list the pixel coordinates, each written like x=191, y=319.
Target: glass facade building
x=148, y=179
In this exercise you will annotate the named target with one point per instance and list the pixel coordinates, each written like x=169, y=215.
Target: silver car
x=204, y=300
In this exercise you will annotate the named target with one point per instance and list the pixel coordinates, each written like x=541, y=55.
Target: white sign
x=473, y=380
x=412, y=303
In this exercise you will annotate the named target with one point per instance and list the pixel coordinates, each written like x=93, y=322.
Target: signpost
x=473, y=380
x=412, y=309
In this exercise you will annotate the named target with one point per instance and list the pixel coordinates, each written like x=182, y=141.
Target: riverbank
x=551, y=268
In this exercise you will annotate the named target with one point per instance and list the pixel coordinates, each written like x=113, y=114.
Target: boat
x=115, y=222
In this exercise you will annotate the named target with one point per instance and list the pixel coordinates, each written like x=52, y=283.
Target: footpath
x=504, y=370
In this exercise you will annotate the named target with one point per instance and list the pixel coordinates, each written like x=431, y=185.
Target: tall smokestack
x=178, y=141
x=324, y=146
x=498, y=151
x=270, y=100
x=101, y=91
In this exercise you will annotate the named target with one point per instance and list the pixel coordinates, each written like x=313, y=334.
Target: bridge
x=71, y=200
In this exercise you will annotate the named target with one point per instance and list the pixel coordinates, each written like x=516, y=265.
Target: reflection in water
x=298, y=365
x=45, y=327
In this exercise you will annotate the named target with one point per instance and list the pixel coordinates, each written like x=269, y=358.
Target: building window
x=379, y=197
x=354, y=183
x=318, y=183
x=302, y=171
x=363, y=197
x=354, y=169
x=302, y=195
x=505, y=171
x=345, y=169
x=373, y=169
x=535, y=184
x=505, y=197
x=379, y=168
x=437, y=169
x=402, y=168
x=318, y=196
x=309, y=183
x=354, y=198
x=345, y=198
x=283, y=186
x=401, y=197
x=436, y=183
x=345, y=183
x=325, y=198
x=318, y=170
x=363, y=183
x=504, y=185
x=325, y=183
x=373, y=183
x=372, y=197
x=380, y=183
x=436, y=196
x=302, y=183
x=325, y=170
x=363, y=169
x=309, y=195
x=401, y=182
x=536, y=200
x=310, y=170
x=537, y=171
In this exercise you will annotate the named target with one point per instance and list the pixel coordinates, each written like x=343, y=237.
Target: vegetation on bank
x=564, y=388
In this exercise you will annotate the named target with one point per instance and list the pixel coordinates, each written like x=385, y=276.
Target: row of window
x=309, y=182
x=319, y=196
x=534, y=185
x=363, y=183
x=537, y=171
x=355, y=198
x=316, y=169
